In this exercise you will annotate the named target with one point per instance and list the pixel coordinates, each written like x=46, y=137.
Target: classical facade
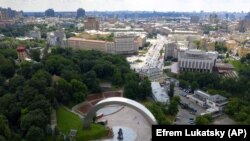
x=196, y=60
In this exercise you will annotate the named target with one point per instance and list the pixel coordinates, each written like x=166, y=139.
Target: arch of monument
x=119, y=101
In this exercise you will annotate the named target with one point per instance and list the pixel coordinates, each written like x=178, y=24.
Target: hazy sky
x=133, y=5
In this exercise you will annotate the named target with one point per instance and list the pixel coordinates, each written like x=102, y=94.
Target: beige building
x=125, y=44
x=242, y=51
x=231, y=44
x=141, y=40
x=80, y=43
x=21, y=53
x=91, y=24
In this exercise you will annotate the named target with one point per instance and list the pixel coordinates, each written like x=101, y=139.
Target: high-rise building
x=213, y=18
x=80, y=13
x=196, y=60
x=195, y=19
x=50, y=13
x=91, y=24
x=21, y=53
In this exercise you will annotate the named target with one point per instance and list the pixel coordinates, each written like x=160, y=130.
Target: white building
x=159, y=93
x=214, y=102
x=125, y=44
x=196, y=60
x=35, y=34
x=151, y=73
x=56, y=38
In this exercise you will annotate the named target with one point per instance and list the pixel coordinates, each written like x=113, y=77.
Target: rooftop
x=159, y=93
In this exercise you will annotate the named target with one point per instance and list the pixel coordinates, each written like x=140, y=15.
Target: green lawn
x=237, y=64
x=67, y=120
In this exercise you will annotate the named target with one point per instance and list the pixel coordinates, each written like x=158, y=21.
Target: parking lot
x=184, y=115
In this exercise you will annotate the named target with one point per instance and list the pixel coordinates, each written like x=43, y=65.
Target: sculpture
x=120, y=134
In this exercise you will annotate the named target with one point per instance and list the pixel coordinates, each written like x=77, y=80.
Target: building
x=243, y=51
x=215, y=102
x=125, y=44
x=231, y=44
x=21, y=53
x=196, y=60
x=223, y=68
x=84, y=44
x=50, y=13
x=91, y=24
x=194, y=19
x=213, y=18
x=141, y=40
x=151, y=73
x=35, y=34
x=159, y=93
x=171, y=50
x=56, y=38
x=80, y=13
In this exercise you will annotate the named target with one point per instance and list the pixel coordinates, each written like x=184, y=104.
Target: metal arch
x=119, y=101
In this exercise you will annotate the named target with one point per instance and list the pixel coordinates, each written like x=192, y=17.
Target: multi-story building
x=21, y=53
x=50, y=13
x=194, y=19
x=56, y=38
x=141, y=40
x=215, y=102
x=80, y=13
x=196, y=60
x=125, y=44
x=91, y=24
x=36, y=33
x=231, y=44
x=80, y=43
x=171, y=50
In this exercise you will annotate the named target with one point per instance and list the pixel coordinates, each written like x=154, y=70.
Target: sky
x=131, y=5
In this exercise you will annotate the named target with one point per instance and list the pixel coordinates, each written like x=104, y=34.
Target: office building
x=194, y=19
x=171, y=50
x=50, y=13
x=80, y=13
x=91, y=23
x=125, y=44
x=196, y=60
x=84, y=44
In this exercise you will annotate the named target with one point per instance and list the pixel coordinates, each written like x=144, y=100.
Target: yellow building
x=81, y=43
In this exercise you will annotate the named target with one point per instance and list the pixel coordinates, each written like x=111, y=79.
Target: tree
x=35, y=134
x=131, y=90
x=117, y=78
x=79, y=97
x=35, y=54
x=145, y=89
x=63, y=91
x=204, y=120
x=4, y=128
x=171, y=90
x=194, y=85
x=34, y=118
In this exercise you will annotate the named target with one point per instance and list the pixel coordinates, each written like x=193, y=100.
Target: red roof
x=21, y=49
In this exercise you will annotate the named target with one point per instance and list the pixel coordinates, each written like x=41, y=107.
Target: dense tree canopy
x=29, y=90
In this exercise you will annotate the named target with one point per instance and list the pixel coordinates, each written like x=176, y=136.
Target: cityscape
x=107, y=71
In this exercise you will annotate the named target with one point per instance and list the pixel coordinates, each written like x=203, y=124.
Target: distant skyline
x=130, y=5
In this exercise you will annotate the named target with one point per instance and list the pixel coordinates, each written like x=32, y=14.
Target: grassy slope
x=67, y=120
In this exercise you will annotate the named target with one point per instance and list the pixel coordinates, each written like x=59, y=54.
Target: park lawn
x=67, y=120
x=237, y=64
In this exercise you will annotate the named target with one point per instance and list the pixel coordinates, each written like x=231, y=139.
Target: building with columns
x=196, y=60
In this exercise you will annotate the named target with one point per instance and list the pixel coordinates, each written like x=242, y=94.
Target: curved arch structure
x=119, y=101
